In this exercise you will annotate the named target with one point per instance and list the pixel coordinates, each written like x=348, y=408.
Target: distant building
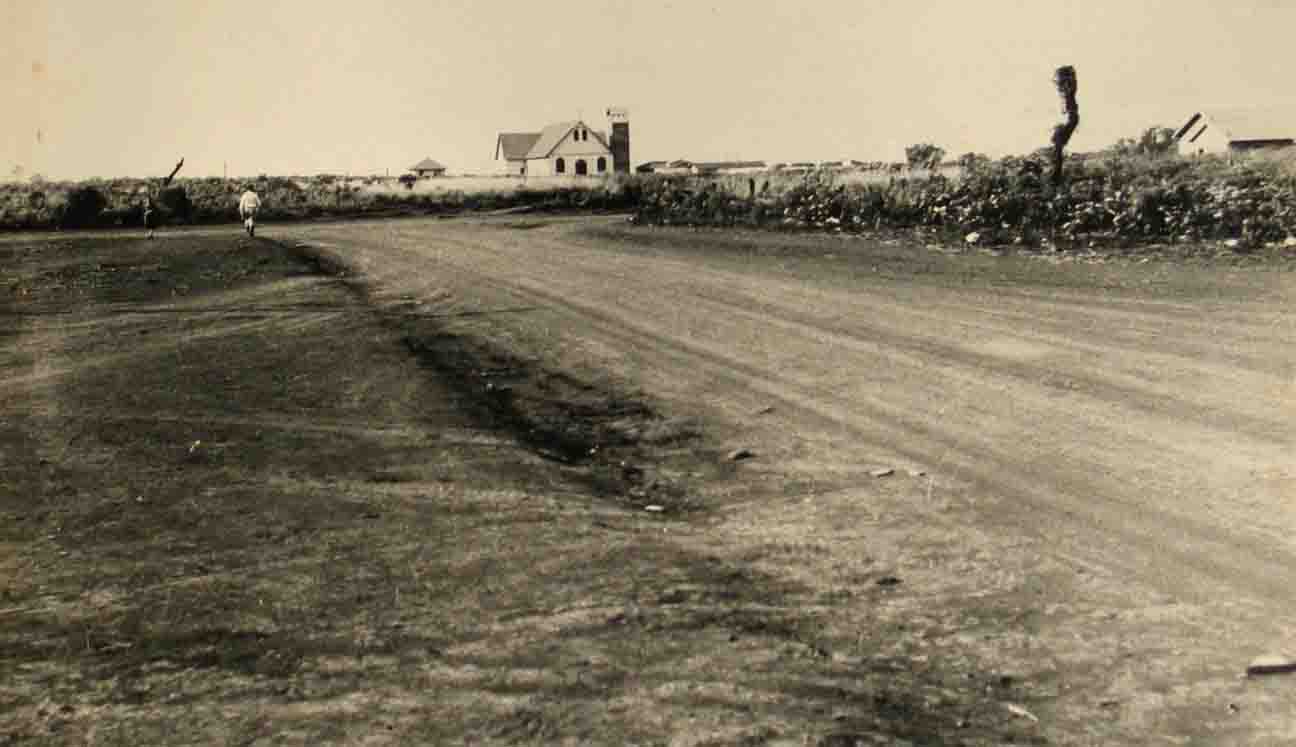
x=426, y=168
x=567, y=149
x=1235, y=130
x=729, y=167
x=676, y=167
x=701, y=168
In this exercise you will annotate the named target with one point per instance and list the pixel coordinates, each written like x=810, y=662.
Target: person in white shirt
x=249, y=204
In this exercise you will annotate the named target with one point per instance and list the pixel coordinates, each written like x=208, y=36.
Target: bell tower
x=619, y=121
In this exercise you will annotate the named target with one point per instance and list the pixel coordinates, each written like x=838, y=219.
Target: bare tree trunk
x=1064, y=78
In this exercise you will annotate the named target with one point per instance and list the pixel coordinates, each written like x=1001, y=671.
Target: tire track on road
x=1130, y=384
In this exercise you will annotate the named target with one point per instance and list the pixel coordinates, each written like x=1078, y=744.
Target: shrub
x=83, y=206
x=175, y=205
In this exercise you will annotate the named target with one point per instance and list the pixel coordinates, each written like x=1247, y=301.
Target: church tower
x=619, y=120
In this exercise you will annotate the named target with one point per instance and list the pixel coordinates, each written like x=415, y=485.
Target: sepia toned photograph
x=722, y=374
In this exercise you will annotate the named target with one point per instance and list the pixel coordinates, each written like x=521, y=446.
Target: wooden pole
x=174, y=171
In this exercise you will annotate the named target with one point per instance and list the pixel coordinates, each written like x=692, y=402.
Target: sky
x=96, y=89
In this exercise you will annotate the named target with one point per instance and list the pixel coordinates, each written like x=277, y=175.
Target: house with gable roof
x=564, y=149
x=1233, y=130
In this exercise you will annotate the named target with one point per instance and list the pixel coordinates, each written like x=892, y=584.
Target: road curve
x=1148, y=434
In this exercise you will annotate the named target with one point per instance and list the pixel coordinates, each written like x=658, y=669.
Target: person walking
x=150, y=217
x=248, y=206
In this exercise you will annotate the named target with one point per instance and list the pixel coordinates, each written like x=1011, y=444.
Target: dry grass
x=478, y=185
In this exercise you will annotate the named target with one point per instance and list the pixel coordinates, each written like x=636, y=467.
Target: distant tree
x=408, y=180
x=1157, y=141
x=924, y=156
x=1154, y=142
x=970, y=162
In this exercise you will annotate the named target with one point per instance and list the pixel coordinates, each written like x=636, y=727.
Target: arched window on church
x=560, y=166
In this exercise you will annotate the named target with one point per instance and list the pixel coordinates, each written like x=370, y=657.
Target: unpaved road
x=1107, y=449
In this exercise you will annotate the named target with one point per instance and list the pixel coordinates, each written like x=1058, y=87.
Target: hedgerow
x=119, y=202
x=1119, y=200
x=1112, y=202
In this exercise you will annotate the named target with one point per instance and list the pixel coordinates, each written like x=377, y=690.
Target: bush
x=83, y=206
x=175, y=205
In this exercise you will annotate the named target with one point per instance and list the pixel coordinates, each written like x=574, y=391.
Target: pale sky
x=123, y=88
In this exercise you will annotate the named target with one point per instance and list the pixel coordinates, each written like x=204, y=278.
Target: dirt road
x=1106, y=448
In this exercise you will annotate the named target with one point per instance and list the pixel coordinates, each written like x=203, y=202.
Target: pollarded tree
x=1064, y=79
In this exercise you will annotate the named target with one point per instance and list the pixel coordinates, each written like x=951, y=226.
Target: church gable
x=582, y=141
x=569, y=138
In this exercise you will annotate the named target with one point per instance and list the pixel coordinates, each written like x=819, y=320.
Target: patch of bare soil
x=241, y=502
